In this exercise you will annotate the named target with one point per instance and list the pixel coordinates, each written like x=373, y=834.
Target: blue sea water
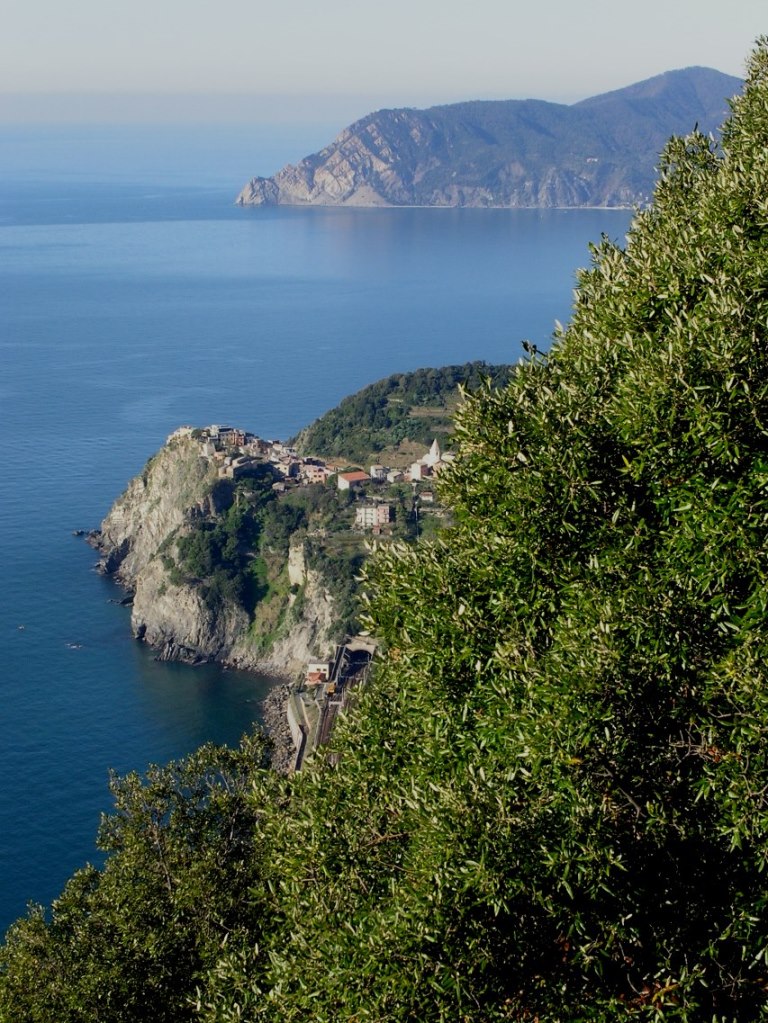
x=134, y=297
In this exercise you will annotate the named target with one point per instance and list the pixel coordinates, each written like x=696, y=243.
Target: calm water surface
x=135, y=297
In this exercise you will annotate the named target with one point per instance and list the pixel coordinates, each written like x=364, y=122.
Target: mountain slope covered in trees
x=551, y=801
x=404, y=408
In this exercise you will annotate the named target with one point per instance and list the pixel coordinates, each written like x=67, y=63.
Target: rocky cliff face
x=177, y=621
x=178, y=488
x=527, y=153
x=177, y=485
x=311, y=630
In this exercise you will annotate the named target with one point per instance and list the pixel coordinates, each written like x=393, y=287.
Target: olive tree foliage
x=553, y=803
x=130, y=942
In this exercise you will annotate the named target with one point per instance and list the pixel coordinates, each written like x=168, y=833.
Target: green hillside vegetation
x=392, y=418
x=217, y=553
x=240, y=552
x=551, y=802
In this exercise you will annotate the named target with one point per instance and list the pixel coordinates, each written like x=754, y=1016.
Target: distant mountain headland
x=601, y=151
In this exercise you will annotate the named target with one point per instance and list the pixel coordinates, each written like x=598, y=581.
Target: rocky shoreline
x=275, y=723
x=274, y=719
x=180, y=487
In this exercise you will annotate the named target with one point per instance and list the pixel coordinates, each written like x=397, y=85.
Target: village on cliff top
x=240, y=453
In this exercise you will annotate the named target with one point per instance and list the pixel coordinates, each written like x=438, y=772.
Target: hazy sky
x=315, y=58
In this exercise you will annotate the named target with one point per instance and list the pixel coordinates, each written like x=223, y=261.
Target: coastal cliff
x=512, y=153
x=189, y=615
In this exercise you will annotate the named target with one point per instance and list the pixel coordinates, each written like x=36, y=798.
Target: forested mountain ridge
x=402, y=409
x=551, y=801
x=513, y=153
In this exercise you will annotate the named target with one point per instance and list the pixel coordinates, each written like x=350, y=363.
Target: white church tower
x=434, y=455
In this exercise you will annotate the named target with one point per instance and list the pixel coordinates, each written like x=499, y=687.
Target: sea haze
x=135, y=297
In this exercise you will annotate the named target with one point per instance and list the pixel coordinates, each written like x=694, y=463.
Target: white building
x=431, y=463
x=369, y=515
x=318, y=672
x=433, y=456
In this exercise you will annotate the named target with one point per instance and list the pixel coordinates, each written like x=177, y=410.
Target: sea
x=135, y=297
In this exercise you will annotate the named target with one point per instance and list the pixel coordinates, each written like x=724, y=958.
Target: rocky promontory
x=248, y=551
x=512, y=153
x=209, y=582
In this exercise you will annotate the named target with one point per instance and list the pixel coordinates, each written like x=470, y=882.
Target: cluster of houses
x=429, y=465
x=239, y=453
x=375, y=516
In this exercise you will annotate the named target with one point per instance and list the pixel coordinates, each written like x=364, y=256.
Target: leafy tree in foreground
x=130, y=943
